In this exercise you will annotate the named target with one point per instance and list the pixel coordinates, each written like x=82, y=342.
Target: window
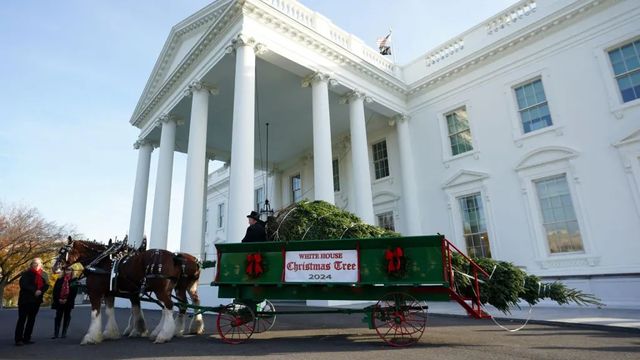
x=625, y=61
x=336, y=176
x=558, y=216
x=259, y=198
x=474, y=226
x=220, y=215
x=385, y=220
x=380, y=159
x=533, y=107
x=296, y=188
x=459, y=132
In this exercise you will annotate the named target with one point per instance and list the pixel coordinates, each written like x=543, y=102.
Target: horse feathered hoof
x=90, y=340
x=161, y=339
x=110, y=335
x=197, y=325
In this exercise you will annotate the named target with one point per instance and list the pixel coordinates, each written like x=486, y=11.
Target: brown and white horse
x=156, y=271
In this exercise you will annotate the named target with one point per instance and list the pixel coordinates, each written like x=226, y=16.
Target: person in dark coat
x=64, y=296
x=33, y=284
x=256, y=231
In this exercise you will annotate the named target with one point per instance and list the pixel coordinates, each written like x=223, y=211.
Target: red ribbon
x=394, y=259
x=254, y=266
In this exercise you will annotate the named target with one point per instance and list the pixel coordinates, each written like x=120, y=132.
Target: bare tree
x=24, y=234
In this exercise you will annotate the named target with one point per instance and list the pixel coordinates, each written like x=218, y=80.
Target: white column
x=162, y=198
x=210, y=156
x=322, y=157
x=192, y=224
x=411, y=216
x=139, y=206
x=360, y=157
x=276, y=197
x=241, y=177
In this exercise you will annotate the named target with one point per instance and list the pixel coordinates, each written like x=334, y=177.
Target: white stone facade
x=588, y=152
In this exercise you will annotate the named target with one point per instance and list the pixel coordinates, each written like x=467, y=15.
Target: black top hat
x=254, y=215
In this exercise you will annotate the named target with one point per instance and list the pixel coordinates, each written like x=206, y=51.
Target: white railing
x=294, y=11
x=444, y=52
x=325, y=27
x=510, y=16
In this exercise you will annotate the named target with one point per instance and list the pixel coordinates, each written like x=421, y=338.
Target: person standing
x=33, y=284
x=64, y=297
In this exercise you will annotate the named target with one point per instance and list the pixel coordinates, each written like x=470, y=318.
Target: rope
x=277, y=234
x=493, y=318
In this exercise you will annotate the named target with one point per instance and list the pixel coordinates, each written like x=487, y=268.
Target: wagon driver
x=256, y=231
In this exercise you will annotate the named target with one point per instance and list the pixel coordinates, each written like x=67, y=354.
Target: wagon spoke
x=402, y=316
x=235, y=323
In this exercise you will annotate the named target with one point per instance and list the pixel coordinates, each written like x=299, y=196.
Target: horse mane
x=92, y=244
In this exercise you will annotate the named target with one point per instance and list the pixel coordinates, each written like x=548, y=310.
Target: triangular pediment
x=545, y=156
x=464, y=177
x=181, y=40
x=630, y=139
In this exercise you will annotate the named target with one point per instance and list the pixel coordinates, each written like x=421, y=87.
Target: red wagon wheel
x=399, y=319
x=236, y=323
x=265, y=317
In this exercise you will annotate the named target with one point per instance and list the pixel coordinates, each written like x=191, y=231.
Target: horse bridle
x=64, y=250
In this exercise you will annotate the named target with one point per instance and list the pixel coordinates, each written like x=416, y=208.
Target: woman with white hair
x=33, y=284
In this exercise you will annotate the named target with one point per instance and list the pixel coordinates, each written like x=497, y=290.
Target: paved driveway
x=331, y=337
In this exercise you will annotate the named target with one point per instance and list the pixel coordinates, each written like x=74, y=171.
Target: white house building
x=518, y=139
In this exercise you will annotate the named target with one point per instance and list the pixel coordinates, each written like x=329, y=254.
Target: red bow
x=394, y=259
x=254, y=266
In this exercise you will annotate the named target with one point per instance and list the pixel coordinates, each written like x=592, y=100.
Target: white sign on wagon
x=320, y=266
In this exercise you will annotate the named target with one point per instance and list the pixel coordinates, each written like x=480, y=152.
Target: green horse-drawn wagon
x=400, y=273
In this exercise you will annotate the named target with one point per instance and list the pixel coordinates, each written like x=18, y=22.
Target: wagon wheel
x=236, y=323
x=399, y=319
x=265, y=317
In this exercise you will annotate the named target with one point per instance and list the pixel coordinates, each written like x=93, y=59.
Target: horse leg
x=168, y=325
x=137, y=323
x=181, y=294
x=93, y=335
x=111, y=331
x=157, y=329
x=129, y=328
x=197, y=323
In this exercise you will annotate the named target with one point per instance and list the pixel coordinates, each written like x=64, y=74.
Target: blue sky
x=71, y=73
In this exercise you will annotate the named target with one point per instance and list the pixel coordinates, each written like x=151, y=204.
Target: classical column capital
x=355, y=94
x=399, y=118
x=142, y=142
x=317, y=77
x=245, y=40
x=165, y=118
x=210, y=155
x=200, y=86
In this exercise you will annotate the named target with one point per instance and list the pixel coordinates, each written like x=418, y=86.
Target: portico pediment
x=464, y=177
x=182, y=39
x=546, y=155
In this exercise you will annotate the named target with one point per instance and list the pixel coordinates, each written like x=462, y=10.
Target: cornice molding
x=497, y=48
